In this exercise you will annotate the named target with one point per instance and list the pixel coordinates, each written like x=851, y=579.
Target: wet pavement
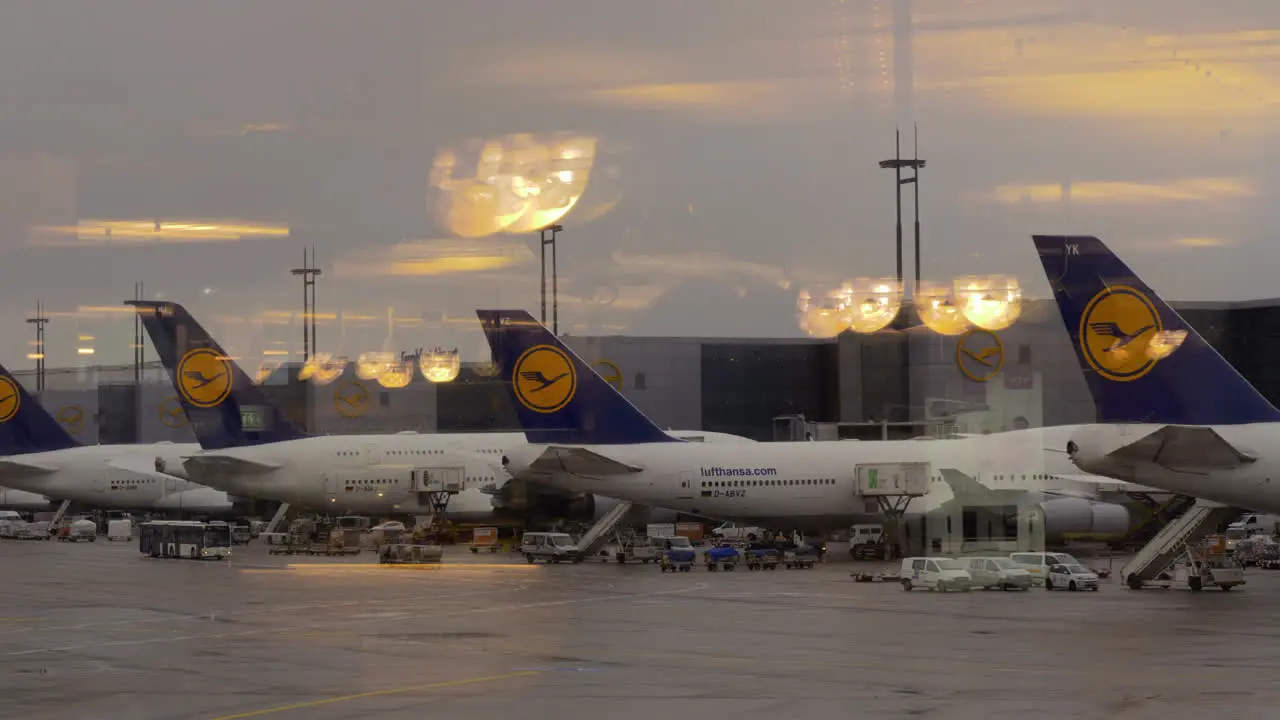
x=95, y=630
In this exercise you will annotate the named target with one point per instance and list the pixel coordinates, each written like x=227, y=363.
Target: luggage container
x=485, y=538
x=120, y=530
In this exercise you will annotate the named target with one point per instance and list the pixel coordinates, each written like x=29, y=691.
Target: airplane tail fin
x=1143, y=362
x=224, y=407
x=25, y=426
x=558, y=397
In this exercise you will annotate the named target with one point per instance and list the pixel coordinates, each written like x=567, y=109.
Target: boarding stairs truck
x=1176, y=543
x=602, y=532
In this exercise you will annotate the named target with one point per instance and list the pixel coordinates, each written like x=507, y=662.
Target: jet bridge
x=893, y=486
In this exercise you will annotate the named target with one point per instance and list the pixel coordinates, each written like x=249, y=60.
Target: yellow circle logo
x=544, y=379
x=72, y=418
x=351, y=399
x=10, y=400
x=980, y=355
x=610, y=372
x=1115, y=329
x=204, y=377
x=171, y=412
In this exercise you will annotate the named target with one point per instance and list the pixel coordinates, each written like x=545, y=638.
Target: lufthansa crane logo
x=171, y=412
x=1115, y=329
x=544, y=379
x=613, y=376
x=980, y=355
x=72, y=418
x=351, y=399
x=10, y=400
x=204, y=377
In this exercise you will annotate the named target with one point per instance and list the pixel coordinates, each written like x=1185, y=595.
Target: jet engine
x=1077, y=516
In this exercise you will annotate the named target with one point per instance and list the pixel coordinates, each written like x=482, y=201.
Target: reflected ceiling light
x=519, y=184
x=372, y=364
x=1163, y=343
x=269, y=367
x=440, y=366
x=824, y=314
x=874, y=303
x=992, y=302
x=165, y=230
x=935, y=304
x=396, y=375
x=322, y=368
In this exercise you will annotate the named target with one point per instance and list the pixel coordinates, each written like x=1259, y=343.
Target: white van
x=550, y=547
x=1038, y=563
x=935, y=573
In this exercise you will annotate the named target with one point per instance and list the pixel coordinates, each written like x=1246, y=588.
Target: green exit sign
x=251, y=418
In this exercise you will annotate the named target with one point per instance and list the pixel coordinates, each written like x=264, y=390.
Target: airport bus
x=184, y=539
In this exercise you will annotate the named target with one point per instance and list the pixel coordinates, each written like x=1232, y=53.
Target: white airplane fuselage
x=1251, y=485
x=368, y=473
x=808, y=484
x=110, y=476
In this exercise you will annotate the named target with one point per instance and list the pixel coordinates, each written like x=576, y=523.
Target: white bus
x=184, y=539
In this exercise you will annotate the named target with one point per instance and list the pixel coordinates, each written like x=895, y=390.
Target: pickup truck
x=729, y=531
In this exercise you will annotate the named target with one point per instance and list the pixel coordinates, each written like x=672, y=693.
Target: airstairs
x=599, y=535
x=279, y=519
x=57, y=516
x=1154, y=515
x=1201, y=520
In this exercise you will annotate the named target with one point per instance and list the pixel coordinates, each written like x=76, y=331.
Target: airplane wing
x=579, y=461
x=226, y=464
x=10, y=468
x=1181, y=447
x=962, y=484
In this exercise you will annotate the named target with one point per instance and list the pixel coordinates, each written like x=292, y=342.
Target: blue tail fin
x=25, y=426
x=1118, y=326
x=223, y=406
x=557, y=396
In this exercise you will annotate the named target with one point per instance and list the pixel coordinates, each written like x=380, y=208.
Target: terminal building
x=889, y=385
x=892, y=384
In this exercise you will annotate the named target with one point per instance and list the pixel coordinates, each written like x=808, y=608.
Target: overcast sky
x=732, y=156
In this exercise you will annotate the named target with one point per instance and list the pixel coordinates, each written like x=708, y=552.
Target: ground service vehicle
x=184, y=539
x=549, y=547
x=934, y=573
x=1071, y=577
x=998, y=572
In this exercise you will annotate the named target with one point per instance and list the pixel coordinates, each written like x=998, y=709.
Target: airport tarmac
x=95, y=630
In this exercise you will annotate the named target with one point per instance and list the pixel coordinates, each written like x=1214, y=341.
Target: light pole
x=897, y=164
x=39, y=321
x=308, y=273
x=138, y=348
x=553, y=230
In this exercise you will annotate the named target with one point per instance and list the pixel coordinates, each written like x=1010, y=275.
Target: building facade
x=978, y=382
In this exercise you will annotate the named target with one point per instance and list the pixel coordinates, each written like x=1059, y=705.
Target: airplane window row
x=378, y=481
x=763, y=483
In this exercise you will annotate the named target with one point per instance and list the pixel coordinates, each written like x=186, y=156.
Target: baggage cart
x=721, y=557
x=678, y=554
x=406, y=554
x=762, y=559
x=799, y=560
